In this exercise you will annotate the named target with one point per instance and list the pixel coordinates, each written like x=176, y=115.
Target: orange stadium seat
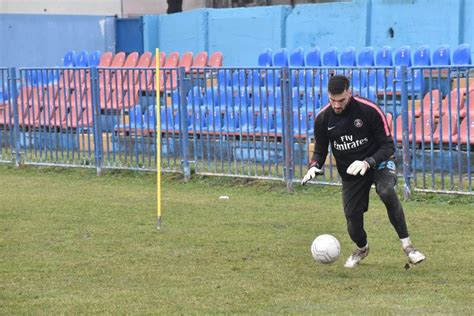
x=447, y=128
x=186, y=61
x=467, y=124
x=200, y=60
x=105, y=59
x=215, y=60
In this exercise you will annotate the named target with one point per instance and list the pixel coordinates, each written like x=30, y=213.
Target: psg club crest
x=358, y=123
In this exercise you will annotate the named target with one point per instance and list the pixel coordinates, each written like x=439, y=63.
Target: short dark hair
x=338, y=84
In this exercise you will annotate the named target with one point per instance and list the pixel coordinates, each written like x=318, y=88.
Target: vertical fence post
x=288, y=130
x=14, y=104
x=184, y=125
x=405, y=142
x=96, y=119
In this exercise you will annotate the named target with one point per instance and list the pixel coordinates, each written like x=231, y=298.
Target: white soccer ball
x=326, y=248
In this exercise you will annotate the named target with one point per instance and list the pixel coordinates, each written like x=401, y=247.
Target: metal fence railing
x=239, y=122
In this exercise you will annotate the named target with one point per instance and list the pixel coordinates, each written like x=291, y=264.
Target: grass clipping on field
x=73, y=242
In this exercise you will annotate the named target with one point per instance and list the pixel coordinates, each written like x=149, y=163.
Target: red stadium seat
x=215, y=60
x=172, y=60
x=200, y=60
x=186, y=61
x=425, y=127
x=431, y=100
x=105, y=59
x=398, y=128
x=469, y=104
x=451, y=103
x=467, y=124
x=447, y=129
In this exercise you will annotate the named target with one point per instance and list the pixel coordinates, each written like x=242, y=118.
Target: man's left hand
x=358, y=167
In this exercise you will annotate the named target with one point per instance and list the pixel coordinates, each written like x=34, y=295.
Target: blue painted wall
x=241, y=34
x=432, y=22
x=42, y=40
x=326, y=25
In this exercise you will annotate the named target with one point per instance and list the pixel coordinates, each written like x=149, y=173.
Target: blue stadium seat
x=296, y=98
x=403, y=56
x=265, y=58
x=422, y=56
x=149, y=119
x=330, y=57
x=348, y=57
x=68, y=60
x=224, y=78
x=225, y=97
x=81, y=59
x=230, y=120
x=238, y=78
x=214, y=120
x=241, y=99
x=358, y=78
x=366, y=57
x=264, y=121
x=274, y=99
x=309, y=101
x=135, y=116
x=442, y=56
x=297, y=57
x=194, y=98
x=94, y=59
x=377, y=79
x=280, y=58
x=418, y=81
x=301, y=122
x=368, y=93
x=167, y=119
x=462, y=55
x=246, y=121
x=271, y=78
x=313, y=57
x=384, y=57
x=255, y=78
x=197, y=120
x=210, y=98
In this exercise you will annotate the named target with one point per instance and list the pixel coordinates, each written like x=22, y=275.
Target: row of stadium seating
x=449, y=129
x=187, y=60
x=308, y=79
x=367, y=57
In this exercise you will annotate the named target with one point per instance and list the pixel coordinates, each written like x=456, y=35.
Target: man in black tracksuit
x=362, y=144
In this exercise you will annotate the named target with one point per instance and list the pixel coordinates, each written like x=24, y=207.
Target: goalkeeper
x=363, y=147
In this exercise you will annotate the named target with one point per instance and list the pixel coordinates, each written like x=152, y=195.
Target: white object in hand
x=312, y=172
x=357, y=167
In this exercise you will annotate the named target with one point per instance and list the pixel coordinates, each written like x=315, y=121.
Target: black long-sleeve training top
x=360, y=132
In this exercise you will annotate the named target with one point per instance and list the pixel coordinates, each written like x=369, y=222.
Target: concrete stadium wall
x=326, y=25
x=241, y=34
x=42, y=40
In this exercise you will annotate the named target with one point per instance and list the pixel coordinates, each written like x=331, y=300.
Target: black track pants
x=355, y=198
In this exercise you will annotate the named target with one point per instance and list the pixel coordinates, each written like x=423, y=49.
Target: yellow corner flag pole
x=158, y=138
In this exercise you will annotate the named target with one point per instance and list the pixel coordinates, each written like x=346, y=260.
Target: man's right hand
x=312, y=173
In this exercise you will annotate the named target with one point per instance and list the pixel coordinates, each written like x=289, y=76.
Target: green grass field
x=75, y=243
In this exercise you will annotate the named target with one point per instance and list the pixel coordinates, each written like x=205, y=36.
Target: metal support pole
x=405, y=142
x=96, y=119
x=16, y=126
x=288, y=130
x=184, y=125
